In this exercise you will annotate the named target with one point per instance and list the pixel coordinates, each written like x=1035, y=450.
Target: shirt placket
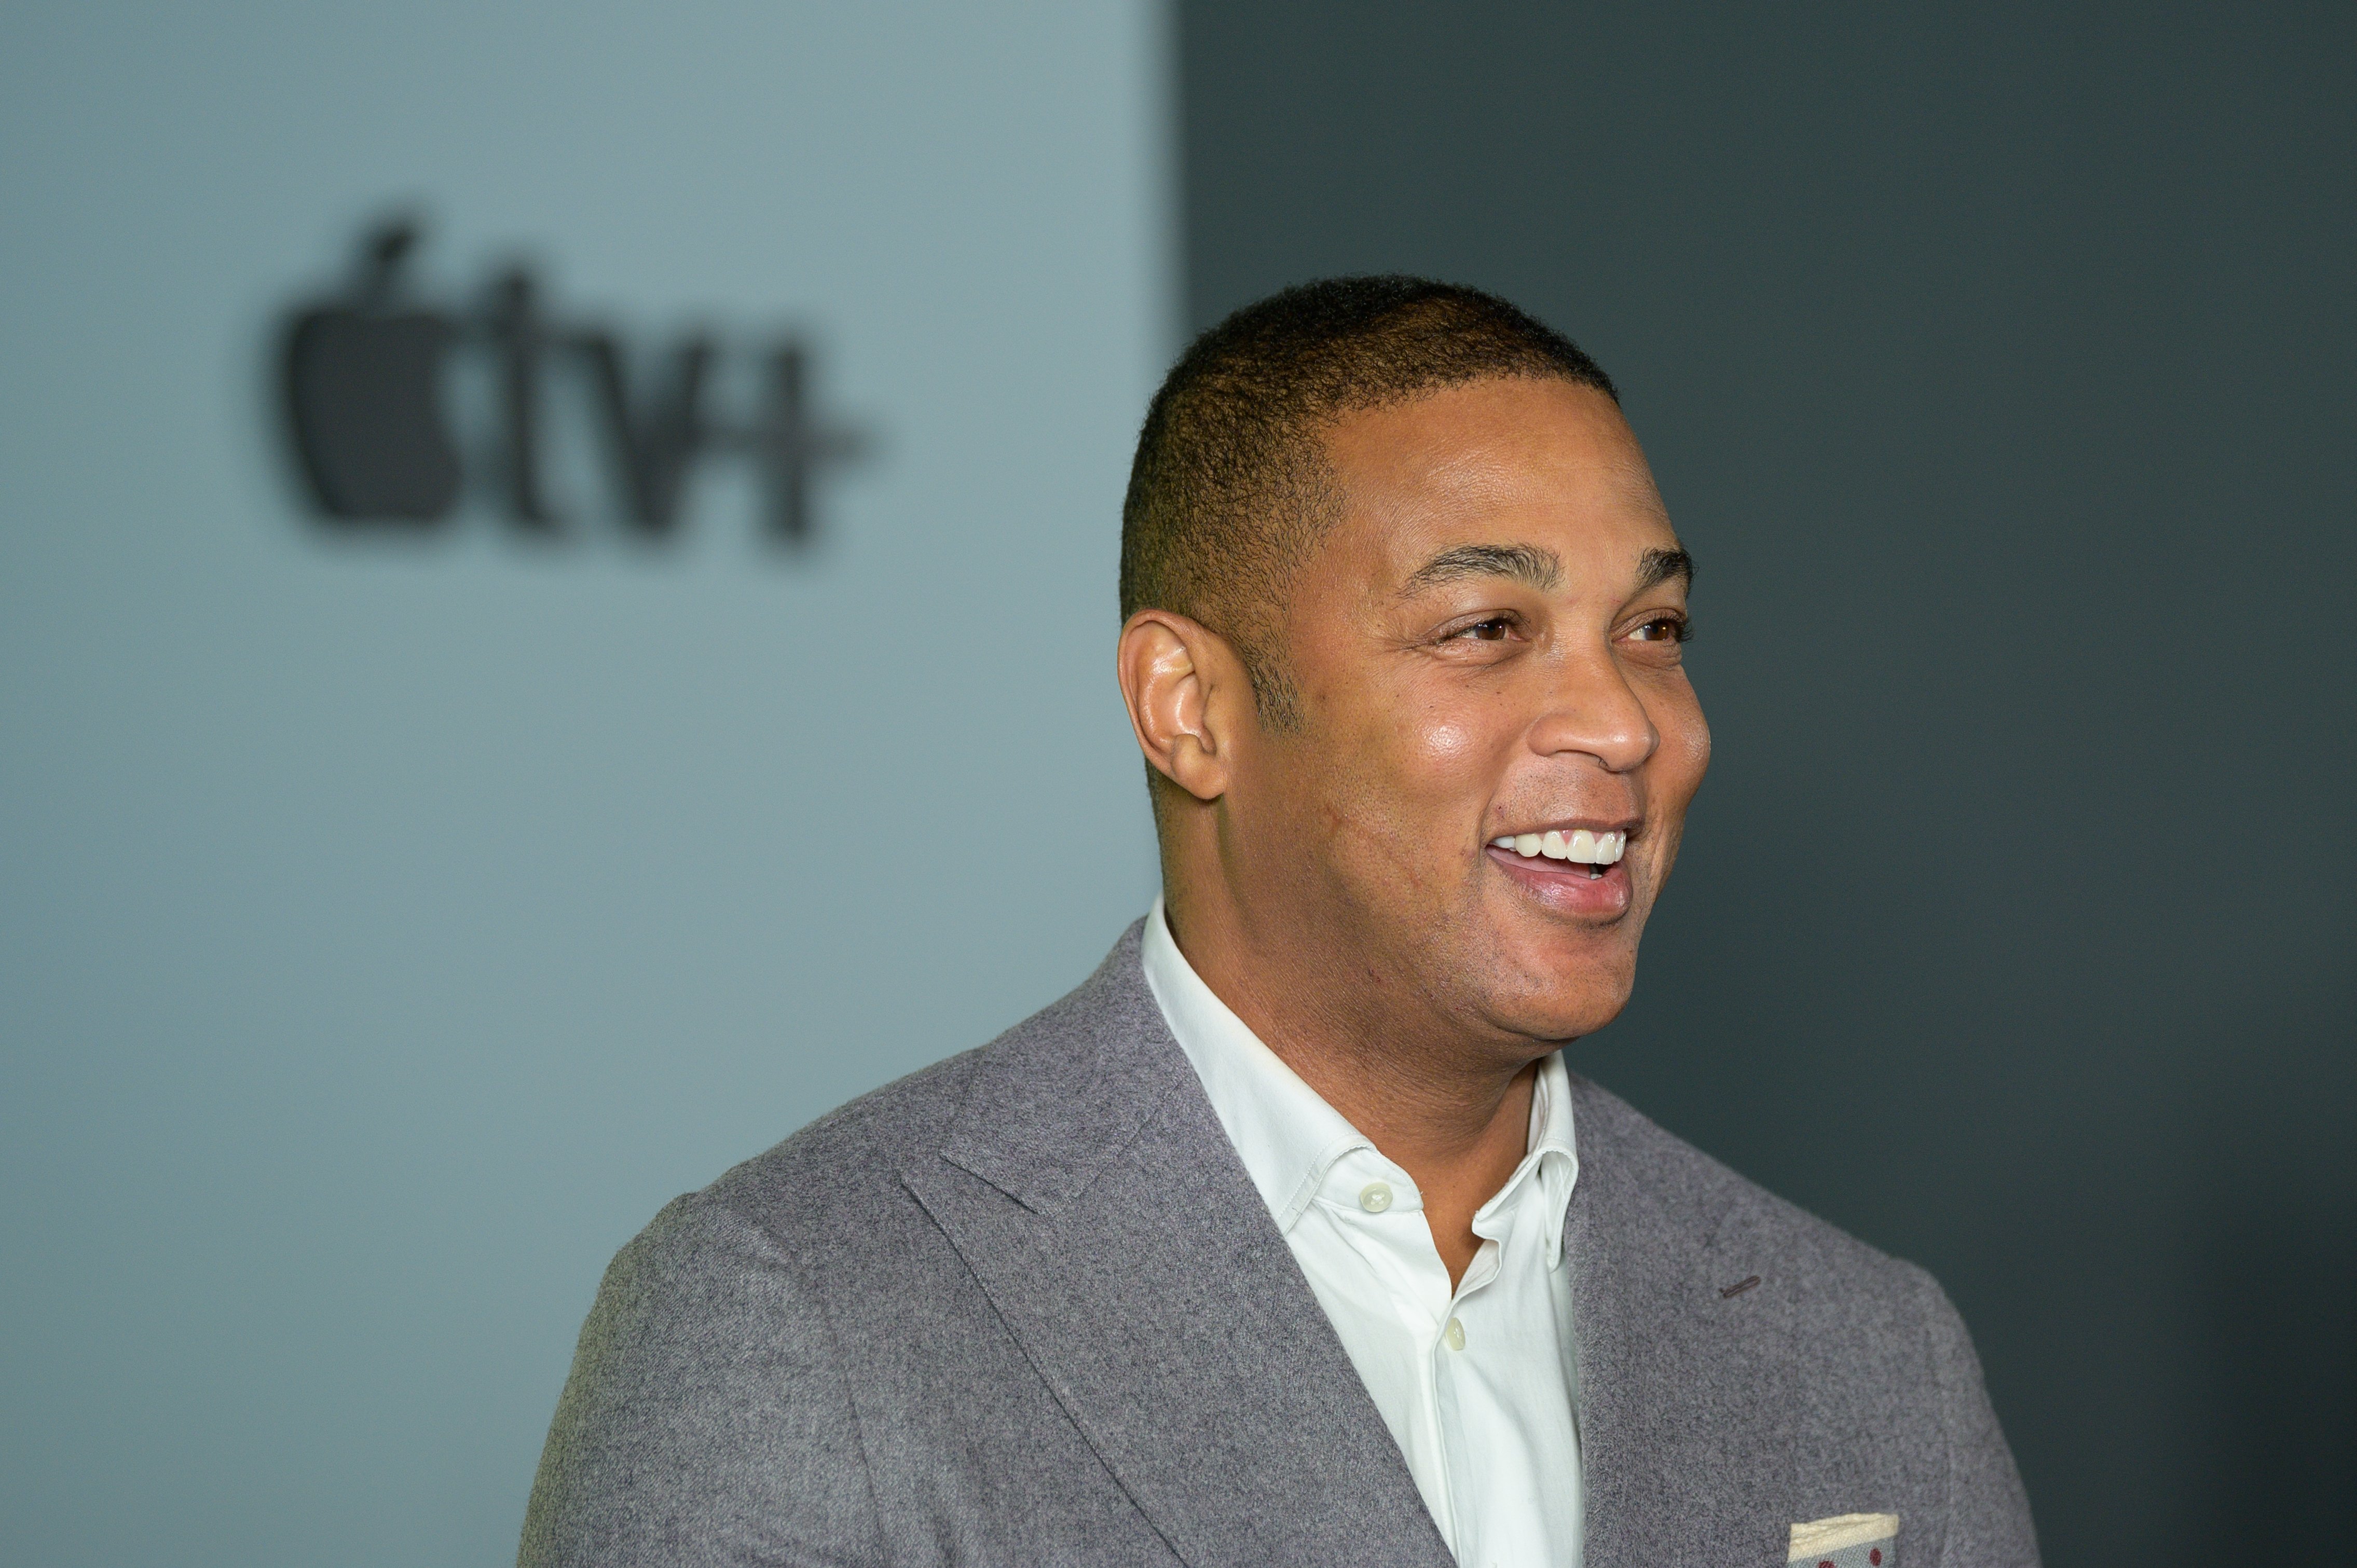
x=1382, y=1218
x=1449, y=1361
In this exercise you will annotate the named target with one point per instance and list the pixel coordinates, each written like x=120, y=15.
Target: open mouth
x=1580, y=847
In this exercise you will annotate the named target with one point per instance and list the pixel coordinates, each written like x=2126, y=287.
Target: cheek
x=1442, y=746
x=1685, y=751
x=1397, y=787
x=1698, y=751
x=1446, y=755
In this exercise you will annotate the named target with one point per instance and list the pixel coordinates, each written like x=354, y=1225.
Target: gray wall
x=1995, y=360
x=387, y=929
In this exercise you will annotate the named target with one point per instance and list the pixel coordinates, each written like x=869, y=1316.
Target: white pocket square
x=1845, y=1540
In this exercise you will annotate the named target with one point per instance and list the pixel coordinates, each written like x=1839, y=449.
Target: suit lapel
x=1090, y=1187
x=1670, y=1442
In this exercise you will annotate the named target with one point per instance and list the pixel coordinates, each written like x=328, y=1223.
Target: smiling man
x=1288, y=1237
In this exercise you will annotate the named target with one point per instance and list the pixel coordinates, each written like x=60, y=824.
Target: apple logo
x=362, y=380
x=363, y=388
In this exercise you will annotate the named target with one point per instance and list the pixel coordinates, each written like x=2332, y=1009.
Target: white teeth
x=1579, y=846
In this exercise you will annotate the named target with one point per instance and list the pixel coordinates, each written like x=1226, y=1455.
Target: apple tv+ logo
x=366, y=376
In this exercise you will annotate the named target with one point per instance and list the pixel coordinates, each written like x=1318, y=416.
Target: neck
x=1451, y=1110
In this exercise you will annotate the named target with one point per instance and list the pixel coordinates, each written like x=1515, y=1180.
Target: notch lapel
x=1672, y=1441
x=1088, y=1185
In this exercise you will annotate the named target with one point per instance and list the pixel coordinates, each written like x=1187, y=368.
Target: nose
x=1592, y=711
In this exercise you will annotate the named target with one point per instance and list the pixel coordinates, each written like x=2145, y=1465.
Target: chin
x=1565, y=1007
x=1581, y=973
x=1563, y=1025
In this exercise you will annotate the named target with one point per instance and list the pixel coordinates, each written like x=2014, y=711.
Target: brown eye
x=1667, y=629
x=1494, y=629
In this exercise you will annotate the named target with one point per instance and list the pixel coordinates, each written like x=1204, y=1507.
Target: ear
x=1181, y=681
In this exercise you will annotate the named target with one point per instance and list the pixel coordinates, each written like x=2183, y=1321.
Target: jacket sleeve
x=1988, y=1521
x=706, y=1421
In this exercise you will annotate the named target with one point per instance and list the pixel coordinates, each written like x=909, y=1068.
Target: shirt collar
x=1553, y=1161
x=1287, y=1136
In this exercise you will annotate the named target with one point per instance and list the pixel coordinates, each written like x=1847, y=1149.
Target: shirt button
x=1375, y=1197
x=1455, y=1333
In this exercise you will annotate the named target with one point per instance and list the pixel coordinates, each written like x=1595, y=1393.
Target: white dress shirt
x=1477, y=1384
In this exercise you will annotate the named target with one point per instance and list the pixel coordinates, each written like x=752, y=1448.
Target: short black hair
x=1229, y=487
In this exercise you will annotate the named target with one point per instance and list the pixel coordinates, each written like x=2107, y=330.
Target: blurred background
x=395, y=913
x=398, y=907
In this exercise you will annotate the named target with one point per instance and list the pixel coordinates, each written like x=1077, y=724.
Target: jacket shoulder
x=847, y=1159
x=1727, y=1213
x=1843, y=1376
x=851, y=1158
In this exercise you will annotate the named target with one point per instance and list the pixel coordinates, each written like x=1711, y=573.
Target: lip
x=1564, y=887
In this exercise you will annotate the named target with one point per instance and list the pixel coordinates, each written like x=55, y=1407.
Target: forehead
x=1547, y=463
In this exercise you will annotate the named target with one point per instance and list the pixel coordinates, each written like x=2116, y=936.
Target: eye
x=1664, y=629
x=1497, y=628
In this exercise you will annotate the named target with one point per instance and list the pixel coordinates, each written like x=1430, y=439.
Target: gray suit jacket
x=1026, y=1307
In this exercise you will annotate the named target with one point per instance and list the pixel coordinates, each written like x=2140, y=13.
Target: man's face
x=1486, y=650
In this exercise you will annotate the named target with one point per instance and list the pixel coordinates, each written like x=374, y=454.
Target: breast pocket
x=1845, y=1540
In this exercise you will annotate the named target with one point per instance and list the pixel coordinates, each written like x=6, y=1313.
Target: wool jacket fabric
x=1025, y=1306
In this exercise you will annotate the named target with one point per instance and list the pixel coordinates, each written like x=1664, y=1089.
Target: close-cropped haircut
x=1230, y=486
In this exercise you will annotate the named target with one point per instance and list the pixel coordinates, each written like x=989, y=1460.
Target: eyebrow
x=1525, y=563
x=1533, y=567
x=1655, y=567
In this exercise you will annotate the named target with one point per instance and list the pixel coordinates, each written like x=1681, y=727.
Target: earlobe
x=1170, y=669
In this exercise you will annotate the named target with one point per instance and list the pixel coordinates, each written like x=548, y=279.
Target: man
x=1287, y=1238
